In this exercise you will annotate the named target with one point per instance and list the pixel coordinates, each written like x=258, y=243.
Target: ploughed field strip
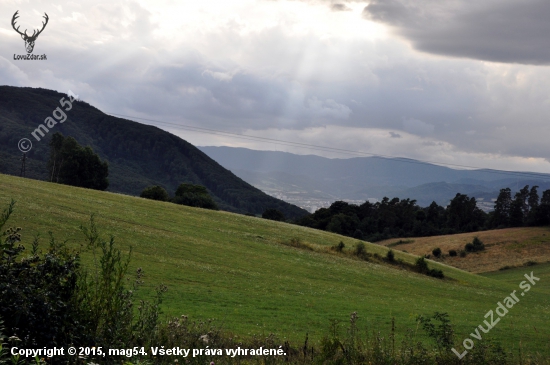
x=235, y=268
x=510, y=247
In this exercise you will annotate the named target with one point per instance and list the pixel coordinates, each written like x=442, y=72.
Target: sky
x=458, y=82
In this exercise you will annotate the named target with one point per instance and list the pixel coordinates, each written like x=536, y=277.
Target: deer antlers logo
x=29, y=40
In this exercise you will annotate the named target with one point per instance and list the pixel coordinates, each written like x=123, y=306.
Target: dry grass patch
x=503, y=247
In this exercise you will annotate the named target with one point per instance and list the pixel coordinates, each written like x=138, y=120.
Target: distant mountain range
x=139, y=155
x=313, y=181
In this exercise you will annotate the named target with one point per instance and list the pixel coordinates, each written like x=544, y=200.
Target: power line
x=332, y=149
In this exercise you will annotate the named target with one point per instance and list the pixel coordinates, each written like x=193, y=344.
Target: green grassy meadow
x=234, y=268
x=541, y=271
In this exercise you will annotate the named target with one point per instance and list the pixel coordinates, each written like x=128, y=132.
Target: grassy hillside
x=504, y=247
x=234, y=268
x=139, y=155
x=510, y=276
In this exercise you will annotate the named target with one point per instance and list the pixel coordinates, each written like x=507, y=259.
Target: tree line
x=404, y=218
x=525, y=209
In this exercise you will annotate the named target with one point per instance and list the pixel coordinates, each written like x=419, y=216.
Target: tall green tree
x=155, y=193
x=56, y=159
x=523, y=197
x=501, y=216
x=72, y=164
x=464, y=215
x=543, y=211
x=533, y=198
x=516, y=212
x=191, y=189
x=533, y=202
x=519, y=209
x=194, y=196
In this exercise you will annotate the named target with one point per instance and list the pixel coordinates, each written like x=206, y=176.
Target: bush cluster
x=422, y=267
x=155, y=193
x=475, y=246
x=274, y=215
x=186, y=194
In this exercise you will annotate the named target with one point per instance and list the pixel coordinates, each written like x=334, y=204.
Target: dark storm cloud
x=501, y=31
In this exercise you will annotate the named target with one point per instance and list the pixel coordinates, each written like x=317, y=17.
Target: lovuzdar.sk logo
x=29, y=39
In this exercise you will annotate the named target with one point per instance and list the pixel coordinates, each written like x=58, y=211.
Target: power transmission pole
x=23, y=167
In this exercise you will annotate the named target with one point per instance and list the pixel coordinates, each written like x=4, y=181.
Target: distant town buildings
x=312, y=204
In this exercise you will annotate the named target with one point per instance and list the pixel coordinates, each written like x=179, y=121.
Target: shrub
x=452, y=253
x=478, y=244
x=155, y=193
x=435, y=273
x=421, y=265
x=106, y=304
x=339, y=247
x=360, y=249
x=442, y=334
x=390, y=256
x=49, y=301
x=475, y=246
x=436, y=252
x=462, y=253
x=36, y=291
x=273, y=214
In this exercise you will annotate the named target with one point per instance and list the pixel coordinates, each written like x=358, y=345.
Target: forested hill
x=138, y=155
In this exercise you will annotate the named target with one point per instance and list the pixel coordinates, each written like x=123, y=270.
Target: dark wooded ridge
x=138, y=155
